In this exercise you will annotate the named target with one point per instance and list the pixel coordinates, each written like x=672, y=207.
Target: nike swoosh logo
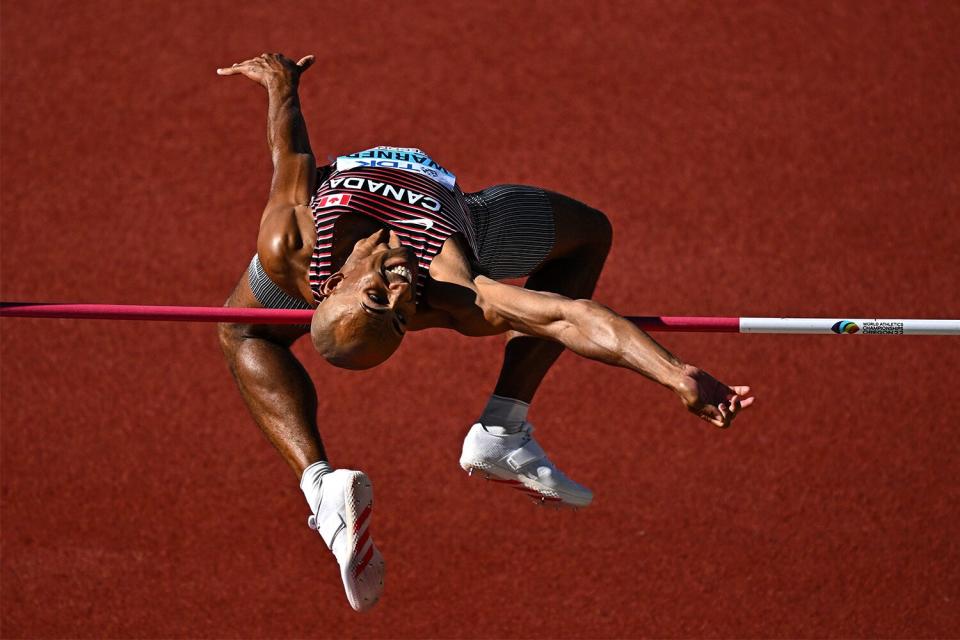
x=427, y=223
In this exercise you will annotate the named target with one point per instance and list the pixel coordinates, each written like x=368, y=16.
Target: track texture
x=756, y=159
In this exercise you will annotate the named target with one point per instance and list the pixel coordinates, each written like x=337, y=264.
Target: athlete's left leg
x=572, y=268
x=500, y=444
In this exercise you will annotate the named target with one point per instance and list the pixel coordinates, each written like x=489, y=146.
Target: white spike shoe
x=517, y=460
x=343, y=521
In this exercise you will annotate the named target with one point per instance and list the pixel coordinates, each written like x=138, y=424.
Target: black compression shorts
x=514, y=228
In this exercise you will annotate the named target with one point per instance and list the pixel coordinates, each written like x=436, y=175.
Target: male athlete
x=382, y=242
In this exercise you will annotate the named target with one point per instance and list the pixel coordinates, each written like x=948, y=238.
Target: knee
x=603, y=230
x=597, y=232
x=230, y=336
x=580, y=227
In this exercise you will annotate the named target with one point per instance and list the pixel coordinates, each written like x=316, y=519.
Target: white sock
x=503, y=416
x=311, y=481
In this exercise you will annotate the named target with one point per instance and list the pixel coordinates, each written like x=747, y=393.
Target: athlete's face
x=369, y=301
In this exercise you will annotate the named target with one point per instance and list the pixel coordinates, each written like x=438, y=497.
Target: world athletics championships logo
x=845, y=326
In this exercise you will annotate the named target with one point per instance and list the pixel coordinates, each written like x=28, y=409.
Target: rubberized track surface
x=756, y=158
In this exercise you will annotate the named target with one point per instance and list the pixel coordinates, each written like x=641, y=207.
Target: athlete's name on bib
x=400, y=194
x=405, y=159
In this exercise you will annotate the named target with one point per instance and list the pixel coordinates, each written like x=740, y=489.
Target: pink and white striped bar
x=154, y=312
x=852, y=326
x=687, y=323
x=701, y=324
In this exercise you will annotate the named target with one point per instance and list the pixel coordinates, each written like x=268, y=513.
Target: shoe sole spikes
x=538, y=498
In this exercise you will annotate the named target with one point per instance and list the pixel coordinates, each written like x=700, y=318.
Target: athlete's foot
x=343, y=521
x=518, y=461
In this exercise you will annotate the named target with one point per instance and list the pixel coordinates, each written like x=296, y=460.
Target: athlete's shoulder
x=284, y=245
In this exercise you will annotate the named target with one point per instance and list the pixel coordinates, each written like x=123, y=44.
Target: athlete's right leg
x=283, y=401
x=275, y=386
x=501, y=444
x=583, y=237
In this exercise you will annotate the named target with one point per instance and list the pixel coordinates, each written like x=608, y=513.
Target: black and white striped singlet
x=422, y=212
x=509, y=228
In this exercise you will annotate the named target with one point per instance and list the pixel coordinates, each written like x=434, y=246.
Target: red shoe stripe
x=363, y=518
x=362, y=540
x=363, y=563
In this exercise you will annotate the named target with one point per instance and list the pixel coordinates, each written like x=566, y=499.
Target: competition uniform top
x=404, y=189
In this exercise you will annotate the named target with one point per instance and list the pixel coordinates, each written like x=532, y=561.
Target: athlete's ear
x=331, y=283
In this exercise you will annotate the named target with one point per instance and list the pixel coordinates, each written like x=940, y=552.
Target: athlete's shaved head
x=362, y=319
x=347, y=337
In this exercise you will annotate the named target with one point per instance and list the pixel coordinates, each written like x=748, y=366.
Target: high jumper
x=382, y=242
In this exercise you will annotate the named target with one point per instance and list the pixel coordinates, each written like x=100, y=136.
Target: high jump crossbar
x=703, y=324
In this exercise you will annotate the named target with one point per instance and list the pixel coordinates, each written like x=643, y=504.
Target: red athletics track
x=756, y=159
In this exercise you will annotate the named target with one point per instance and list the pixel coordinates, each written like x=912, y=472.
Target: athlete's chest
x=401, y=189
x=405, y=201
x=422, y=213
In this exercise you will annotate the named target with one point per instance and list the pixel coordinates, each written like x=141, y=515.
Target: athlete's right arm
x=294, y=167
x=279, y=242
x=275, y=386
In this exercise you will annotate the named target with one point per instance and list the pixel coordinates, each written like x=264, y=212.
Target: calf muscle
x=278, y=392
x=274, y=385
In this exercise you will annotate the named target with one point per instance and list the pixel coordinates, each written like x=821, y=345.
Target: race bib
x=405, y=159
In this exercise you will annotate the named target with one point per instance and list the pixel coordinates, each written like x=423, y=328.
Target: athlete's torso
x=403, y=189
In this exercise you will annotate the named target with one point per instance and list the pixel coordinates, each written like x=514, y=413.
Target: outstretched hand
x=710, y=399
x=268, y=69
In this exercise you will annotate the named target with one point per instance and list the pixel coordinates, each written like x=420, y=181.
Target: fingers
x=726, y=415
x=723, y=404
x=279, y=60
x=721, y=417
x=228, y=71
x=237, y=67
x=738, y=393
x=723, y=414
x=247, y=65
x=713, y=415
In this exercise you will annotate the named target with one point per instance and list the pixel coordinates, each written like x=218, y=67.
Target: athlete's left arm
x=593, y=331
